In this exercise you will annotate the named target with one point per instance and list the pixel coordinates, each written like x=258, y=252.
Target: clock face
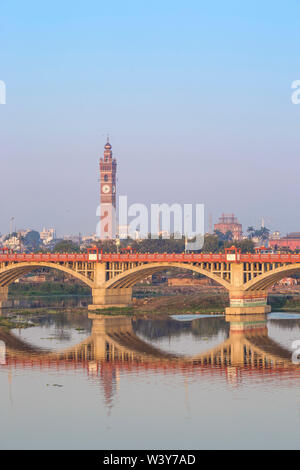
x=105, y=188
x=113, y=189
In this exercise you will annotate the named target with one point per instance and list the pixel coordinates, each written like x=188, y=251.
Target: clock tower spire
x=108, y=172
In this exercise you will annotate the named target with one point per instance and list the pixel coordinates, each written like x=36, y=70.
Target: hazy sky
x=195, y=95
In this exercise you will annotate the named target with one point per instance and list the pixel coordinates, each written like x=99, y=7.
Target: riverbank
x=285, y=302
x=155, y=300
x=45, y=289
x=173, y=304
x=196, y=303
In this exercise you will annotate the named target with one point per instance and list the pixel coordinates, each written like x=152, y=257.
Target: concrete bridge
x=247, y=277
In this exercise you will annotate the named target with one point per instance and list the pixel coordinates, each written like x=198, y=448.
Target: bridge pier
x=106, y=298
x=247, y=303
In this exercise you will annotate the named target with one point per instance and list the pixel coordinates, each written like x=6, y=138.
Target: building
x=23, y=233
x=87, y=241
x=13, y=243
x=108, y=178
x=38, y=278
x=290, y=241
x=275, y=235
x=287, y=281
x=186, y=281
x=47, y=235
x=229, y=223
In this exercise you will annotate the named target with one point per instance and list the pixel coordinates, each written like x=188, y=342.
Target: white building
x=47, y=235
x=13, y=243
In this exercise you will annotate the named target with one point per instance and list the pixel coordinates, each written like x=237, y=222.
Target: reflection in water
x=118, y=344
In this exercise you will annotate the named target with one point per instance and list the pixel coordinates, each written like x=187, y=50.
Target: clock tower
x=108, y=171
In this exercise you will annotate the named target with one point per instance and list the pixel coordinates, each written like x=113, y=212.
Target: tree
x=246, y=246
x=211, y=244
x=251, y=231
x=147, y=245
x=223, y=237
x=32, y=240
x=66, y=246
x=228, y=236
x=264, y=233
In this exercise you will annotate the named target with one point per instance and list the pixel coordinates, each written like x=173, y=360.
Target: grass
x=286, y=303
x=53, y=289
x=177, y=304
x=10, y=324
x=115, y=311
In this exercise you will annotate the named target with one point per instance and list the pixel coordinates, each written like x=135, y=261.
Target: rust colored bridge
x=111, y=277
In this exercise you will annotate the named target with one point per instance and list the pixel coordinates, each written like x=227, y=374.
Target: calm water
x=90, y=382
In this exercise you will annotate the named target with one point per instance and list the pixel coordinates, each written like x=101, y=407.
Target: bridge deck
x=150, y=257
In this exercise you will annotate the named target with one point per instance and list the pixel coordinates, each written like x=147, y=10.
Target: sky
x=196, y=98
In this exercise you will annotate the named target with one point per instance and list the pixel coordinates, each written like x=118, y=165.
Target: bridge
x=247, y=277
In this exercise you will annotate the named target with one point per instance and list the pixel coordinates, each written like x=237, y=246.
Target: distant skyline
x=196, y=98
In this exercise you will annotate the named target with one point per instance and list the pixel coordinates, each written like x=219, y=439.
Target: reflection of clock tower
x=108, y=170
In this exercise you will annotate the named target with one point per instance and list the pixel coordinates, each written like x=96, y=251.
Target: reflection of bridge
x=111, y=277
x=113, y=340
x=114, y=347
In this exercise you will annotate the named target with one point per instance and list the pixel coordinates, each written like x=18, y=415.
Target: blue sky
x=195, y=95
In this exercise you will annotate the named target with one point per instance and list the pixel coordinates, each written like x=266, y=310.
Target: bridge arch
x=11, y=273
x=265, y=281
x=130, y=277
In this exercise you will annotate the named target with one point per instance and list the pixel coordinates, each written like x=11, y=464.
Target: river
x=74, y=380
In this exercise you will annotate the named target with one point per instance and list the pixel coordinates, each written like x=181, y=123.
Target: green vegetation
x=115, y=311
x=66, y=246
x=147, y=245
x=216, y=244
x=32, y=240
x=48, y=289
x=26, y=318
x=164, y=305
x=262, y=233
x=10, y=323
x=287, y=303
x=224, y=237
x=212, y=244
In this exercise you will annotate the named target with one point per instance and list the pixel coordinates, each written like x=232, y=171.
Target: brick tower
x=108, y=171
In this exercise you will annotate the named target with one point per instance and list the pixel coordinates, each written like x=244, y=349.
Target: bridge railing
x=43, y=257
x=162, y=257
x=148, y=257
x=271, y=257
